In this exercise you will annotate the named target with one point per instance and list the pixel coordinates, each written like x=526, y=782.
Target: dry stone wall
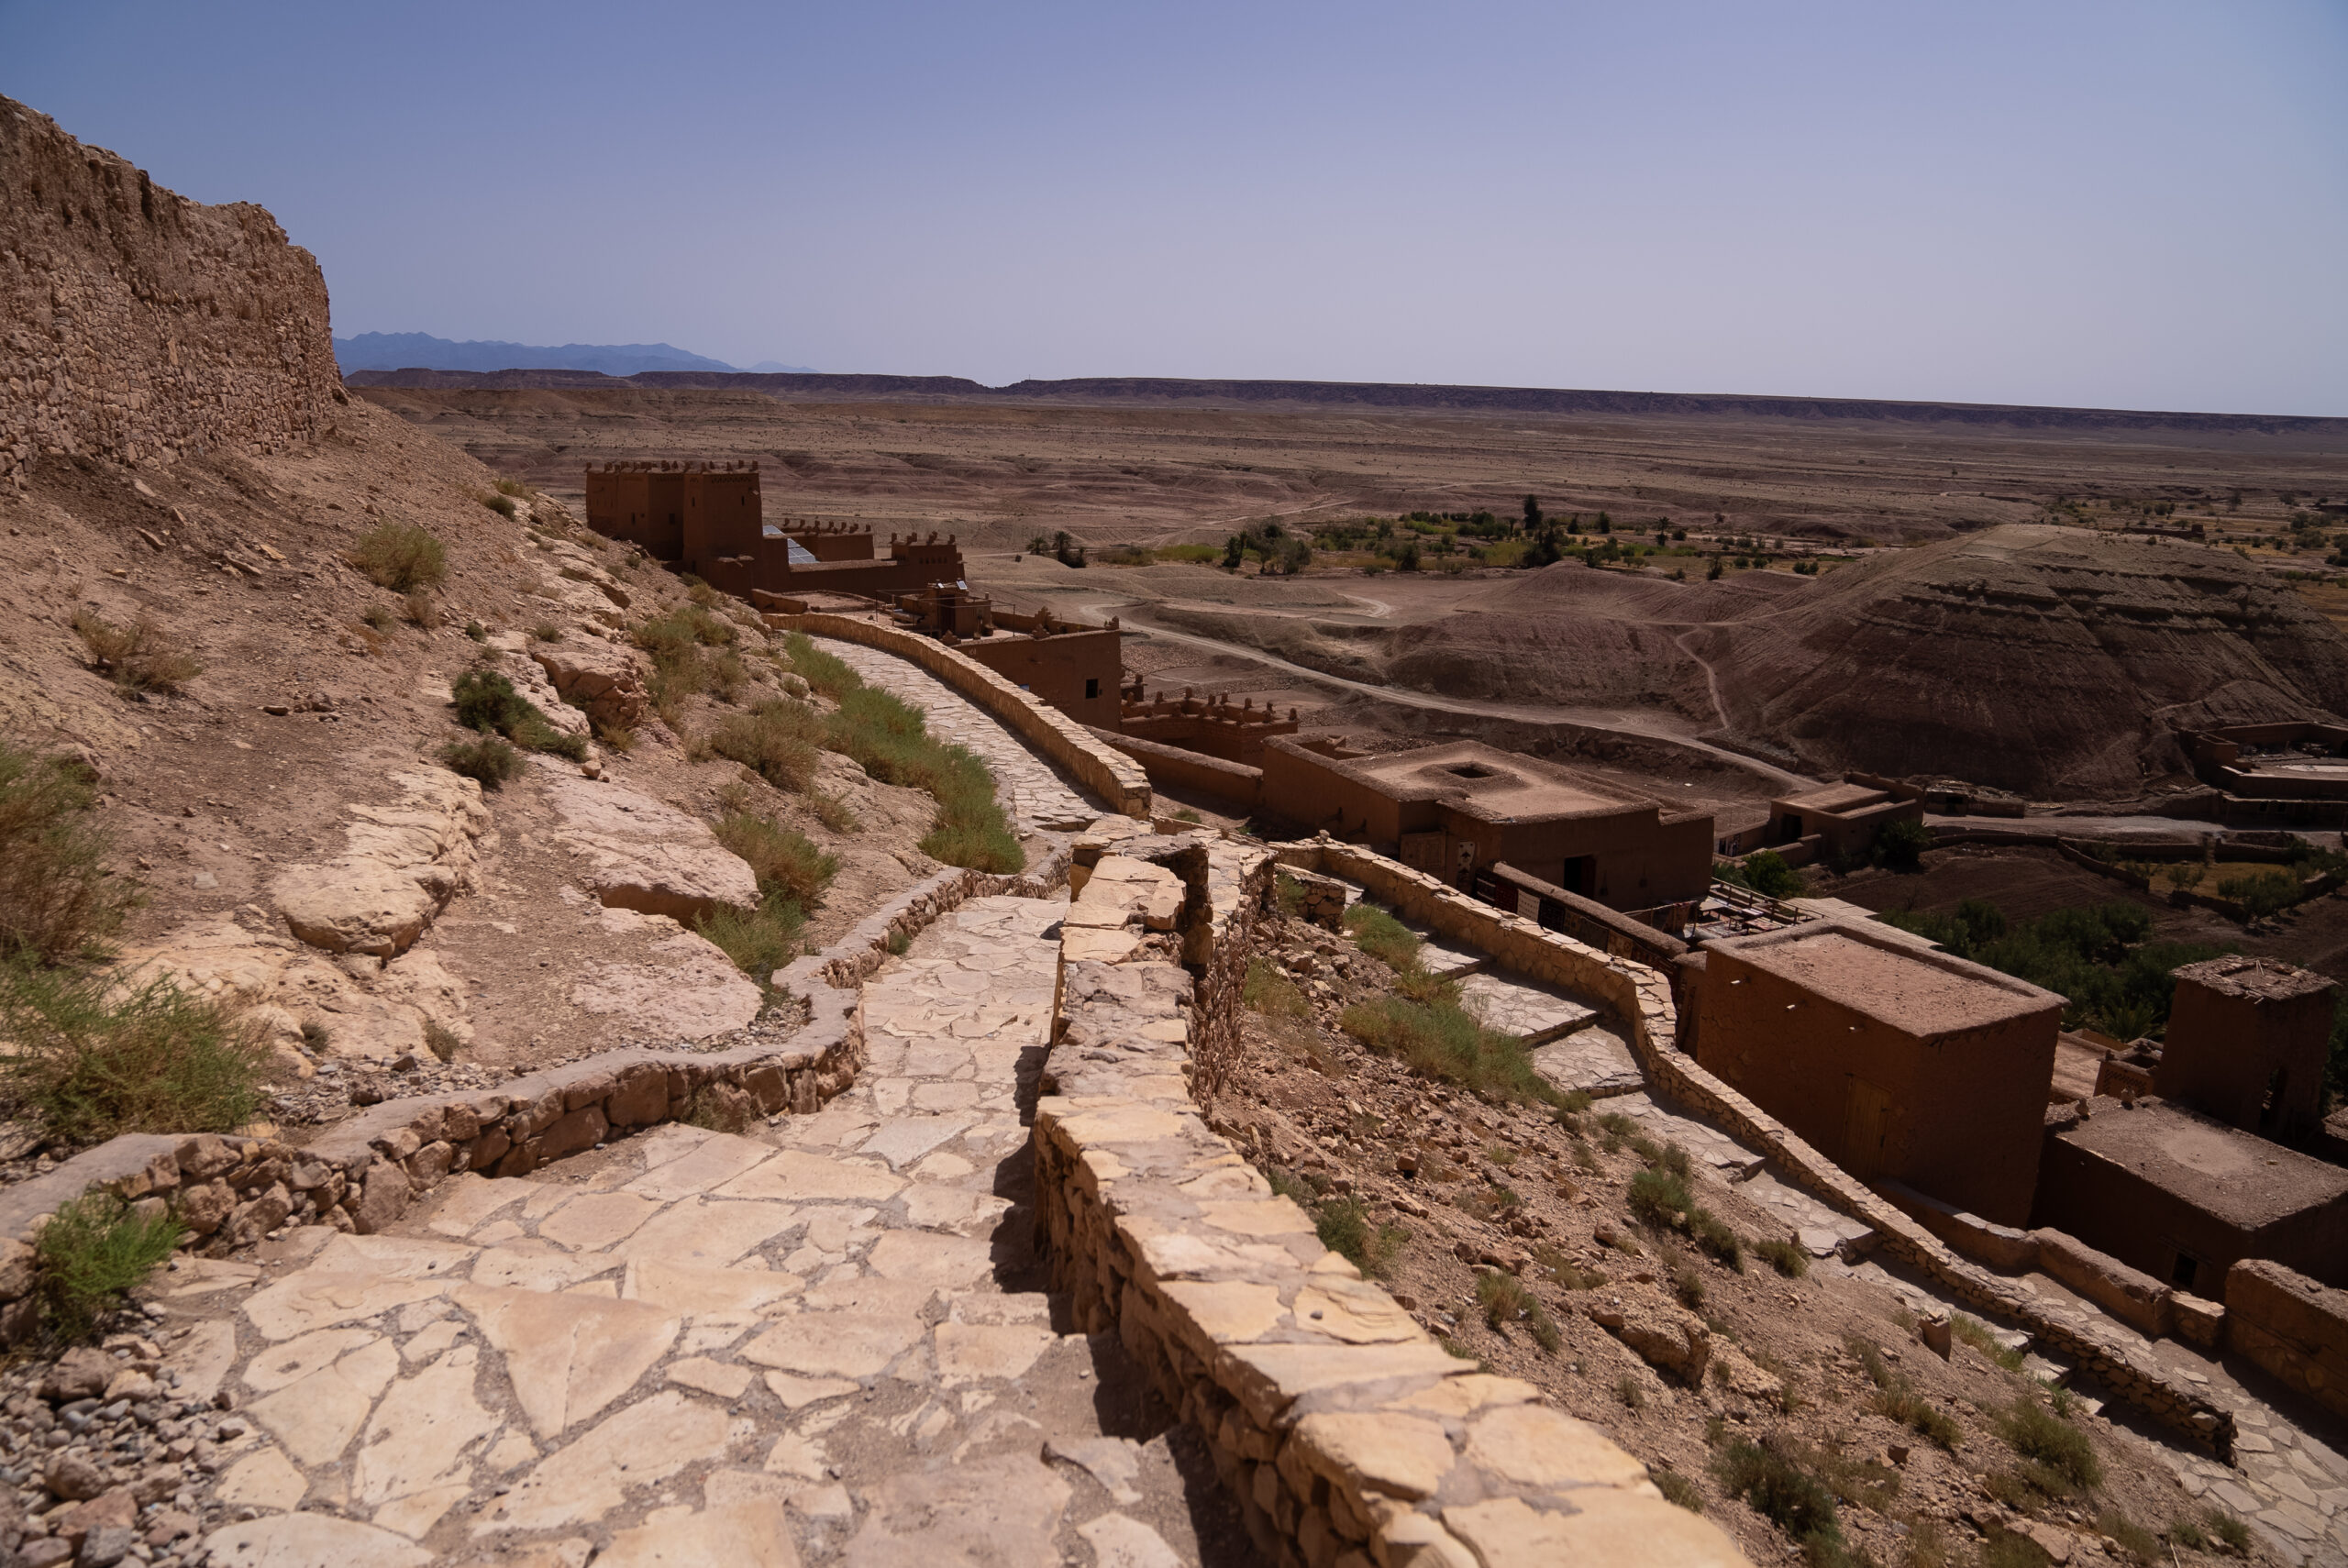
x=138, y=326
x=361, y=1174
x=1643, y=998
x=1349, y=1437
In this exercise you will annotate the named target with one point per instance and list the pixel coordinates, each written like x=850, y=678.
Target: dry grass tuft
x=138, y=657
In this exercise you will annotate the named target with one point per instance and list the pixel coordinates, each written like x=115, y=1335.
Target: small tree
x=1901, y=845
x=1532, y=512
x=1234, y=551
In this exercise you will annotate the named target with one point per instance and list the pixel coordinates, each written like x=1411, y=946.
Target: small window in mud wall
x=2187, y=1270
x=1093, y=686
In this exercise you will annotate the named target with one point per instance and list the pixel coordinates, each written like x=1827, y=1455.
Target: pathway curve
x=819, y=1340
x=1640, y=726
x=1036, y=796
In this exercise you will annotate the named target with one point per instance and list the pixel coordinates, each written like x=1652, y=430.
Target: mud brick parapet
x=138, y=326
x=360, y=1174
x=1641, y=998
x=2295, y=1327
x=1350, y=1437
x=1114, y=778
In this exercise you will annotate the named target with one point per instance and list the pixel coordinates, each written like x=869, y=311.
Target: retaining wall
x=1348, y=1436
x=1171, y=765
x=1114, y=778
x=360, y=1174
x=1642, y=998
x=2292, y=1326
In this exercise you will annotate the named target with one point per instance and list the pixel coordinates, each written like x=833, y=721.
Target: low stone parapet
x=360, y=1174
x=1116, y=779
x=1347, y=1434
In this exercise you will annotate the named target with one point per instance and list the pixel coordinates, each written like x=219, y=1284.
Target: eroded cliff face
x=139, y=325
x=2044, y=660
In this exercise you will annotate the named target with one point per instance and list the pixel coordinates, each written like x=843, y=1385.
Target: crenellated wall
x=138, y=326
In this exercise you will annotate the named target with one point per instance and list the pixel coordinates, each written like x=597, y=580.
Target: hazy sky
x=2140, y=204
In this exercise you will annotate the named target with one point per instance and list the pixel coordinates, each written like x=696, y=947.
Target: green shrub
x=1688, y=1285
x=1343, y=1227
x=399, y=556
x=441, y=1039
x=1766, y=873
x=503, y=505
x=890, y=740
x=1787, y=1258
x=488, y=761
x=138, y=657
x=1659, y=1198
x=1269, y=992
x=95, y=1056
x=476, y=631
x=1975, y=1333
x=486, y=700
x=2035, y=1432
x=786, y=862
x=777, y=738
x=2261, y=892
x=2231, y=1534
x=834, y=811
x=2132, y=1538
x=1627, y=1389
x=1439, y=1040
x=675, y=640
x=758, y=941
x=1713, y=1235
x=1781, y=1491
x=1382, y=936
x=92, y=1253
x=826, y=672
x=1679, y=1491
x=1901, y=845
x=57, y=898
x=1291, y=894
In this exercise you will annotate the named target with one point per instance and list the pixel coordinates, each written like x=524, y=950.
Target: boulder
x=401, y=865
x=648, y=857
x=596, y=676
x=1666, y=1335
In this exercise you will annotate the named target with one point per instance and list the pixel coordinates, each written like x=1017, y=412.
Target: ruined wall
x=138, y=326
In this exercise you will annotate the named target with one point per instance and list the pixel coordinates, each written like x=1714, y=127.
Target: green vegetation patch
x=2112, y=977
x=1441, y=1040
x=58, y=900
x=95, y=1056
x=399, y=556
x=487, y=702
x=92, y=1253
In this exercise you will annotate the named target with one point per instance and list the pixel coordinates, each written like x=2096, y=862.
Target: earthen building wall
x=1961, y=1114
x=1077, y=672
x=137, y=326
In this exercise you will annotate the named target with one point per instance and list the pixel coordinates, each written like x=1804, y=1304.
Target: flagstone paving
x=819, y=1340
x=1037, y=797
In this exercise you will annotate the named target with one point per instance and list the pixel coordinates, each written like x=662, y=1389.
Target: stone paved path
x=1037, y=797
x=823, y=1341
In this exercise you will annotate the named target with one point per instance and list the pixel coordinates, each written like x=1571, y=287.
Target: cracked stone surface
x=1036, y=794
x=820, y=1339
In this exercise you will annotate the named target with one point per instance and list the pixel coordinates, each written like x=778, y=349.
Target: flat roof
x=1494, y=782
x=1877, y=974
x=2262, y=979
x=2223, y=1171
x=1835, y=798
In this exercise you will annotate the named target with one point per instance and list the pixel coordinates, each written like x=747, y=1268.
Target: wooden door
x=1866, y=1123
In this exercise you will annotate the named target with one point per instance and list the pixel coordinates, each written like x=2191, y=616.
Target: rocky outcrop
x=597, y=677
x=289, y=988
x=403, y=864
x=1666, y=1335
x=647, y=856
x=140, y=326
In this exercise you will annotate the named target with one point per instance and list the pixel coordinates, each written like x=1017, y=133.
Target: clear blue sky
x=2140, y=204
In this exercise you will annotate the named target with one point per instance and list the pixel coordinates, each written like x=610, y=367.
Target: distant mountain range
x=421, y=350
